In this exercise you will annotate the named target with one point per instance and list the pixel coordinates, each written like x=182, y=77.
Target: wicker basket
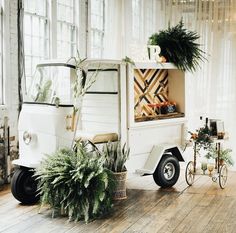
x=120, y=189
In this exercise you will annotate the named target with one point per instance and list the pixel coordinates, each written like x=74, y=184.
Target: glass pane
x=1, y=58
x=27, y=24
x=65, y=10
x=36, y=39
x=66, y=28
x=37, y=7
x=106, y=81
x=97, y=14
x=35, y=28
x=65, y=40
x=97, y=27
x=28, y=66
x=35, y=47
x=51, y=83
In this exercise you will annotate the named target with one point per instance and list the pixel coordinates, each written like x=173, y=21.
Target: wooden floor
x=204, y=207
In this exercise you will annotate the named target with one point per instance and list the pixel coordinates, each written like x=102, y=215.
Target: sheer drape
x=128, y=24
x=211, y=91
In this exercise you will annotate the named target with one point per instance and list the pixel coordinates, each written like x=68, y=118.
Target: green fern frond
x=178, y=45
x=76, y=182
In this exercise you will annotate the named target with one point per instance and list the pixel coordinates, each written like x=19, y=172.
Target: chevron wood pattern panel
x=150, y=86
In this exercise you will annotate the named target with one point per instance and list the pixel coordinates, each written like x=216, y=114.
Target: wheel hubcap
x=169, y=171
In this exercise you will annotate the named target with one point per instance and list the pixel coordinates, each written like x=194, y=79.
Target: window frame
x=74, y=26
x=51, y=40
x=46, y=39
x=2, y=83
x=6, y=53
x=95, y=30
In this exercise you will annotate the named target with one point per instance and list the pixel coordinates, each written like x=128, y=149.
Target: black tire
x=167, y=171
x=24, y=186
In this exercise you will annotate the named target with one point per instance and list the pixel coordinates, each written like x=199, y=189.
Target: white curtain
x=128, y=25
x=211, y=91
x=113, y=29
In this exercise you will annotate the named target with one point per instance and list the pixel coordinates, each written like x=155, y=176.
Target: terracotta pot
x=221, y=162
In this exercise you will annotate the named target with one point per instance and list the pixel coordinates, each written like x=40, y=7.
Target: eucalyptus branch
x=81, y=85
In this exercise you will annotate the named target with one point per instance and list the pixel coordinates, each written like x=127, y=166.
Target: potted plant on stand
x=116, y=157
x=224, y=155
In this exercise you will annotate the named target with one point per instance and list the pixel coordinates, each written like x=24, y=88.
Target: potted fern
x=76, y=183
x=225, y=155
x=179, y=46
x=116, y=157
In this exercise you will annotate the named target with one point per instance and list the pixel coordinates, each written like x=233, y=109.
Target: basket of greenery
x=178, y=45
x=76, y=183
x=224, y=155
x=116, y=157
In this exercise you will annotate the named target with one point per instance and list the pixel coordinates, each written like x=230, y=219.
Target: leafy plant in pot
x=76, y=183
x=224, y=155
x=178, y=45
x=116, y=157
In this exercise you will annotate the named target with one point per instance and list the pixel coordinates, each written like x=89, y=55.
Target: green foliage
x=128, y=60
x=224, y=155
x=76, y=183
x=43, y=91
x=179, y=46
x=204, y=139
x=116, y=156
x=83, y=81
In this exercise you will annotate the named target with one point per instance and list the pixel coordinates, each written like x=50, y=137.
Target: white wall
x=10, y=56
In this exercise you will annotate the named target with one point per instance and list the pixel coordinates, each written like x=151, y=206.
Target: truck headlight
x=27, y=137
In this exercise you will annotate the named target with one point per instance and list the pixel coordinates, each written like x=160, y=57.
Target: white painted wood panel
x=99, y=118
x=142, y=139
x=100, y=112
x=136, y=162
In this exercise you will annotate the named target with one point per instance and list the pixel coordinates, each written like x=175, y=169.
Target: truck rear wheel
x=24, y=186
x=167, y=171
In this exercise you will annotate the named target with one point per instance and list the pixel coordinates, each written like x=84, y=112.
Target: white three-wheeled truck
x=142, y=105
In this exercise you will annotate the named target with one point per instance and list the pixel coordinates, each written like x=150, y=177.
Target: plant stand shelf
x=217, y=171
x=159, y=117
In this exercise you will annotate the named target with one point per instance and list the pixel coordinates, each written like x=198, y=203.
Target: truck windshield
x=52, y=84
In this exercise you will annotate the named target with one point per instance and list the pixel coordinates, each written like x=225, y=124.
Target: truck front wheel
x=167, y=171
x=24, y=186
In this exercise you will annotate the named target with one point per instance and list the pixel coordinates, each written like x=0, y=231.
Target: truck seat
x=96, y=137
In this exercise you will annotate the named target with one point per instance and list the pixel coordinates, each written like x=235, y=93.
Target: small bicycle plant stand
x=219, y=171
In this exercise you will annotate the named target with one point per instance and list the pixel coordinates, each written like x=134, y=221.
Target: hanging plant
x=179, y=46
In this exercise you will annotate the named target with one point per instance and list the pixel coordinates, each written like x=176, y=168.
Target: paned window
x=66, y=28
x=1, y=58
x=39, y=21
x=36, y=34
x=97, y=27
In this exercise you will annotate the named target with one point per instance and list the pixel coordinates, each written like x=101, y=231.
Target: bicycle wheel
x=223, y=175
x=189, y=173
